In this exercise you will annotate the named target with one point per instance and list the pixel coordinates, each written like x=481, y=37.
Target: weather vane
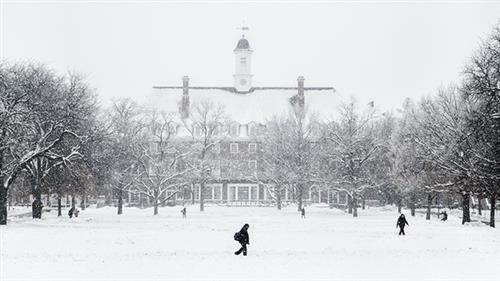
x=243, y=29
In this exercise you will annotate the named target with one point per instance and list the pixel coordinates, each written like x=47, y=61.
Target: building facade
x=236, y=160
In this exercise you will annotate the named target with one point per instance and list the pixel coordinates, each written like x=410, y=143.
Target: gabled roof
x=259, y=105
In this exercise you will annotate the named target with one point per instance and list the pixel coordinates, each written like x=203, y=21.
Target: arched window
x=252, y=129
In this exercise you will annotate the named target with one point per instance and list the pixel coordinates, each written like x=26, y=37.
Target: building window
x=252, y=165
x=243, y=193
x=251, y=130
x=216, y=148
x=243, y=60
x=218, y=192
x=253, y=193
x=234, y=148
x=252, y=147
x=235, y=130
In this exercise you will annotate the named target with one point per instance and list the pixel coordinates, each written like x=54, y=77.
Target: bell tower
x=242, y=64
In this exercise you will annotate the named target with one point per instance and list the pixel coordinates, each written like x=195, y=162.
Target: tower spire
x=243, y=29
x=242, y=59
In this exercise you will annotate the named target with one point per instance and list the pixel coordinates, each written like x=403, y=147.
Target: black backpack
x=237, y=236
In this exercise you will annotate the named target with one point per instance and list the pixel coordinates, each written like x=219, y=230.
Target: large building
x=249, y=107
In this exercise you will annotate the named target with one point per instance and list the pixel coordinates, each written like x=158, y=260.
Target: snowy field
x=327, y=245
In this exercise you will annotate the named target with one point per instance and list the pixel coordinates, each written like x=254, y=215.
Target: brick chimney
x=184, y=108
x=300, y=94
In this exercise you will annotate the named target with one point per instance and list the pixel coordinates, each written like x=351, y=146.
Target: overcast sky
x=382, y=51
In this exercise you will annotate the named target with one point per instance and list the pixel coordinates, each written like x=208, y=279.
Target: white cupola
x=242, y=66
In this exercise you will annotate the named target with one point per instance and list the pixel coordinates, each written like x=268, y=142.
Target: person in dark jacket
x=71, y=212
x=303, y=213
x=242, y=238
x=183, y=211
x=401, y=224
x=445, y=216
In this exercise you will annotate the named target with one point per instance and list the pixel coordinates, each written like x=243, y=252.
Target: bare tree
x=160, y=159
x=482, y=86
x=351, y=145
x=205, y=124
x=41, y=112
x=126, y=129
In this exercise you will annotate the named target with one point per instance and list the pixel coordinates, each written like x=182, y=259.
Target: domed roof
x=243, y=44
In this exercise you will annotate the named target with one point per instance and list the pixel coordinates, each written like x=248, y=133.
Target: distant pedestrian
x=303, y=212
x=242, y=238
x=183, y=211
x=445, y=216
x=401, y=224
x=76, y=212
x=71, y=211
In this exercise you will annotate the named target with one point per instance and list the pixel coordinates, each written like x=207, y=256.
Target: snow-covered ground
x=327, y=245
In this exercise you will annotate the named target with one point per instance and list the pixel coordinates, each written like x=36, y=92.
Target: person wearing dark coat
x=183, y=211
x=445, y=216
x=401, y=224
x=242, y=238
x=71, y=212
x=303, y=213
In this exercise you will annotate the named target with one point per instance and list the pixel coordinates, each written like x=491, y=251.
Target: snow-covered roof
x=259, y=105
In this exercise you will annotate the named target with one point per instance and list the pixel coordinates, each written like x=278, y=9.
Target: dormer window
x=251, y=129
x=235, y=130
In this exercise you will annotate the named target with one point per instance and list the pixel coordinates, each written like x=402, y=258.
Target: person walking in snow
x=445, y=216
x=71, y=212
x=303, y=213
x=242, y=238
x=401, y=224
x=183, y=211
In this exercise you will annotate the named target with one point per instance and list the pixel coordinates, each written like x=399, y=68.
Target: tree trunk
x=363, y=203
x=3, y=203
x=465, y=207
x=36, y=207
x=59, y=207
x=412, y=208
x=355, y=206
x=202, y=198
x=349, y=204
x=493, y=201
x=193, y=194
x=278, y=199
x=84, y=201
x=155, y=212
x=479, y=206
x=3, y=189
x=330, y=199
x=120, y=201
x=429, y=203
x=299, y=198
x=48, y=199
x=400, y=203
x=108, y=197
